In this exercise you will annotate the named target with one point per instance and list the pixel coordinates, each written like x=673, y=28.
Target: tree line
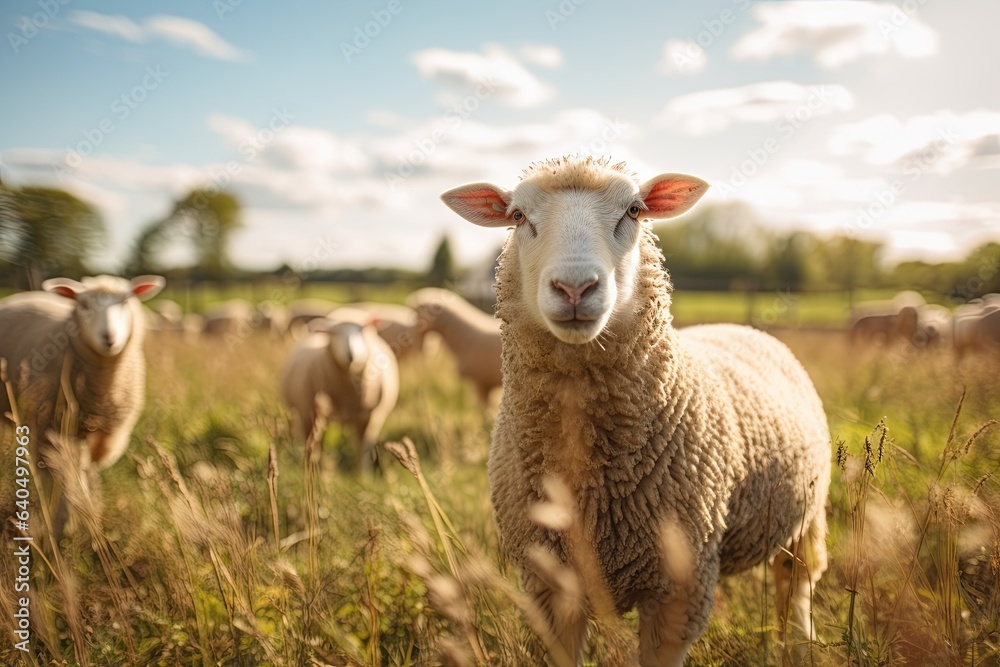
x=46, y=232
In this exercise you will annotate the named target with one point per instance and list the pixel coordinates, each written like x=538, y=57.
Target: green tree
x=45, y=231
x=442, y=268
x=716, y=246
x=206, y=220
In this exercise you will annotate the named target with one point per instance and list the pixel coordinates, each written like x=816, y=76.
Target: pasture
x=219, y=539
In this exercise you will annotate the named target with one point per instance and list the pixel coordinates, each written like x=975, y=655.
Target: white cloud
x=682, y=58
x=179, y=31
x=940, y=142
x=836, y=32
x=709, y=111
x=294, y=148
x=494, y=71
x=118, y=25
x=542, y=55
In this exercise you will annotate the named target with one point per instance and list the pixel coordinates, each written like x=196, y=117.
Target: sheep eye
x=634, y=211
x=517, y=216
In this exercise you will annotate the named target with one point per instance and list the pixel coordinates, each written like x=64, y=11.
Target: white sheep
x=228, y=319
x=397, y=325
x=355, y=370
x=94, y=331
x=976, y=328
x=303, y=311
x=472, y=336
x=933, y=327
x=709, y=442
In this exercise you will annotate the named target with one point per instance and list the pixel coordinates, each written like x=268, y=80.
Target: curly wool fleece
x=717, y=428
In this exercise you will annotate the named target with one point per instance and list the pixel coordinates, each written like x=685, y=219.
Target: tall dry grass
x=220, y=540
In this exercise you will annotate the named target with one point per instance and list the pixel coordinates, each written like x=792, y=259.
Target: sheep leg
x=664, y=639
x=566, y=619
x=796, y=571
x=365, y=435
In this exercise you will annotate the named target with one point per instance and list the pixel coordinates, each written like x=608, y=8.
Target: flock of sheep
x=972, y=328
x=671, y=456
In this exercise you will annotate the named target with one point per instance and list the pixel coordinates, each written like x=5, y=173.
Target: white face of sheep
x=578, y=247
x=348, y=346
x=105, y=317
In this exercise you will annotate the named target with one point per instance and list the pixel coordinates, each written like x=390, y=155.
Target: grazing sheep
x=933, y=326
x=273, y=318
x=354, y=369
x=397, y=325
x=472, y=336
x=883, y=322
x=976, y=329
x=227, y=319
x=708, y=442
x=303, y=311
x=93, y=332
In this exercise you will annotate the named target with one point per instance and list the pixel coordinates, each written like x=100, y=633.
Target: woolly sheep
x=976, y=329
x=303, y=311
x=933, y=326
x=883, y=322
x=397, y=325
x=472, y=336
x=93, y=331
x=228, y=319
x=709, y=441
x=355, y=369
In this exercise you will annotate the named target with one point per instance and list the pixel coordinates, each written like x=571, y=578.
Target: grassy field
x=219, y=541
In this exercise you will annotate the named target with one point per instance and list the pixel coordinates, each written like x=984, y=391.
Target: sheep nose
x=108, y=340
x=575, y=293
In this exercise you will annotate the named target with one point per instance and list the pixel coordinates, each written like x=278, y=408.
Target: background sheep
x=228, y=318
x=709, y=443
x=976, y=329
x=397, y=325
x=883, y=322
x=355, y=369
x=93, y=331
x=933, y=326
x=472, y=336
x=303, y=311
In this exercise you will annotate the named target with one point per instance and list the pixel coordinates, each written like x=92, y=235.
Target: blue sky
x=876, y=119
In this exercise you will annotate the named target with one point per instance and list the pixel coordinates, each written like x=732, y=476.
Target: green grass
x=179, y=563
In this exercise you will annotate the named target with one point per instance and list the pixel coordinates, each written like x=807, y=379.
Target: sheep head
x=576, y=231
x=103, y=312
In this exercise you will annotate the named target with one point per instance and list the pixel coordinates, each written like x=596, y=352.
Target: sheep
x=302, y=311
x=397, y=325
x=228, y=319
x=976, y=329
x=884, y=322
x=933, y=326
x=708, y=442
x=472, y=336
x=355, y=369
x=93, y=331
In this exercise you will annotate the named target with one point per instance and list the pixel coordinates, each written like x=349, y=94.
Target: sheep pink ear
x=480, y=203
x=146, y=287
x=63, y=287
x=669, y=195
